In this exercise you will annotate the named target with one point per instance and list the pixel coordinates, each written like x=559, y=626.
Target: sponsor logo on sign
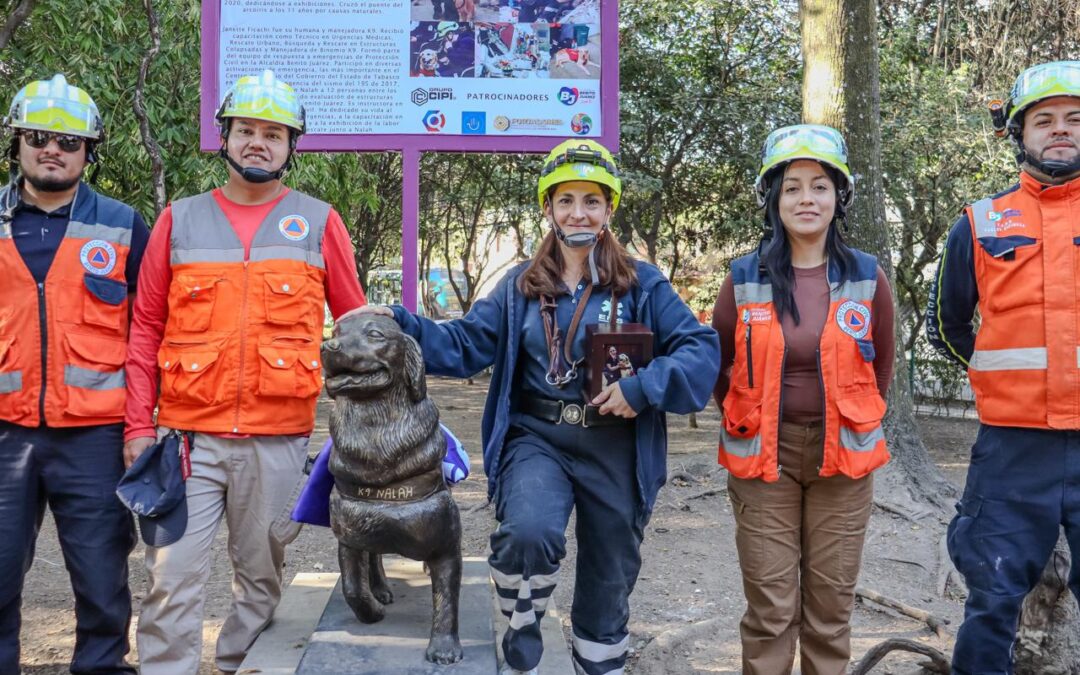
x=502, y=123
x=422, y=96
x=434, y=120
x=294, y=228
x=853, y=319
x=98, y=257
x=568, y=95
x=473, y=122
x=581, y=124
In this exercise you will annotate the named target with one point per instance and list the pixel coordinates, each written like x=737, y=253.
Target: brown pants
x=800, y=543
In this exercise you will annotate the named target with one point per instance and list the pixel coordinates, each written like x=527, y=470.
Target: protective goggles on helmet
x=805, y=141
x=54, y=105
x=579, y=156
x=1047, y=80
x=38, y=139
x=263, y=98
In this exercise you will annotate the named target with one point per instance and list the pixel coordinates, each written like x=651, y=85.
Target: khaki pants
x=250, y=481
x=800, y=544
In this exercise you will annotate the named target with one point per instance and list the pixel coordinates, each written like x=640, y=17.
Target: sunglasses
x=38, y=139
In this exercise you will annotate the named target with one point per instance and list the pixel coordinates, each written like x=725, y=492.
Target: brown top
x=801, y=393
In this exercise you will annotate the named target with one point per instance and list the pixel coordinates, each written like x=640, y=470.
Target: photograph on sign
x=475, y=70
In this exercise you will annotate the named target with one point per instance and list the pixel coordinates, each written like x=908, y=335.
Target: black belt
x=561, y=412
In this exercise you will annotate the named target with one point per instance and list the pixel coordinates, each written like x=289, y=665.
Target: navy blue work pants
x=547, y=470
x=74, y=471
x=1022, y=485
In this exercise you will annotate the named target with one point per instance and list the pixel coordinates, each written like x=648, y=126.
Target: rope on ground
x=936, y=624
x=937, y=663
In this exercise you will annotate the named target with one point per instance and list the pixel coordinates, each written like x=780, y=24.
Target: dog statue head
x=369, y=354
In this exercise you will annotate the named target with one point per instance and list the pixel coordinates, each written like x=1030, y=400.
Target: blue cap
x=153, y=489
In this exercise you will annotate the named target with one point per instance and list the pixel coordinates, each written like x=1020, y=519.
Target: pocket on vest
x=94, y=375
x=289, y=367
x=105, y=304
x=10, y=379
x=1007, y=283
x=286, y=299
x=195, y=302
x=191, y=371
x=742, y=416
x=856, y=368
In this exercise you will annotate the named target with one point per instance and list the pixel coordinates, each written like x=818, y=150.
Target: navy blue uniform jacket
x=679, y=379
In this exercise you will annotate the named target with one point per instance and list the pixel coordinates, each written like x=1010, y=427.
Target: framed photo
x=615, y=353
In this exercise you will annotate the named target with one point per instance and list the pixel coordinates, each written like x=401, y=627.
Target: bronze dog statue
x=389, y=494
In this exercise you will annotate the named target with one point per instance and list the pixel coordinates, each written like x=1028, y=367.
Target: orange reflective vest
x=854, y=440
x=240, y=353
x=1029, y=289
x=63, y=342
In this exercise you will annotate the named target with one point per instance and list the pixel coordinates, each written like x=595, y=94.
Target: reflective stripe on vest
x=860, y=441
x=1022, y=358
x=93, y=379
x=741, y=447
x=10, y=382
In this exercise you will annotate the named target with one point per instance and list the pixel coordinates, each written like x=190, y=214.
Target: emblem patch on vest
x=294, y=228
x=98, y=257
x=853, y=319
x=757, y=315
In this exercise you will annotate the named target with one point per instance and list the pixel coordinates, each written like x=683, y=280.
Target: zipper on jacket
x=780, y=410
x=243, y=331
x=42, y=320
x=749, y=350
x=824, y=404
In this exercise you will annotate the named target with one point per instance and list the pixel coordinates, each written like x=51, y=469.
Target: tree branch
x=14, y=20
x=157, y=167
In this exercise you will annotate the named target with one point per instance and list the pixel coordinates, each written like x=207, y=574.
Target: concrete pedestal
x=315, y=633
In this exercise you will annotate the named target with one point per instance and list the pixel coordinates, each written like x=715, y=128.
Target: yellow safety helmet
x=56, y=106
x=579, y=160
x=805, y=141
x=263, y=97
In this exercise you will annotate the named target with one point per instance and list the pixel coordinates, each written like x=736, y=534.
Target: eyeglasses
x=580, y=155
x=36, y=138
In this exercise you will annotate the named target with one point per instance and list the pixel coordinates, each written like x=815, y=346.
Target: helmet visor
x=1060, y=78
x=813, y=139
x=61, y=115
x=581, y=155
x=265, y=102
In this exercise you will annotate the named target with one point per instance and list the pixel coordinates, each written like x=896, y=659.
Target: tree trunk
x=1047, y=642
x=841, y=89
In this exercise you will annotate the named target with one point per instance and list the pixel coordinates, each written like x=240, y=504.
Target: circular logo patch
x=853, y=319
x=98, y=257
x=294, y=228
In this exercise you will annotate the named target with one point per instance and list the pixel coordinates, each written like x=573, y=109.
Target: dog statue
x=389, y=494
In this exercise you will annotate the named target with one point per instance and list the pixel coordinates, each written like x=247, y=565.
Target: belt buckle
x=572, y=414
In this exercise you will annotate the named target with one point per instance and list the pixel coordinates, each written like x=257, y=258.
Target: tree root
x=938, y=662
x=477, y=507
x=936, y=624
x=910, y=512
x=655, y=657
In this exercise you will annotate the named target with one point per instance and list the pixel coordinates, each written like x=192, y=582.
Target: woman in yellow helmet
x=806, y=330
x=548, y=448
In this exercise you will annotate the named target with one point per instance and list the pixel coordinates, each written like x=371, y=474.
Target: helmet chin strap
x=253, y=175
x=1052, y=168
x=581, y=240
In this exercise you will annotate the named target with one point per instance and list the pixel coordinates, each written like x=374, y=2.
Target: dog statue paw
x=389, y=493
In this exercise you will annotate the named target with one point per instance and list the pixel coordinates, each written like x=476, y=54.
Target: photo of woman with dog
x=547, y=449
x=806, y=332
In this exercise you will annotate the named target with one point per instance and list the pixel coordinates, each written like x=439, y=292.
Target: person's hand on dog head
x=367, y=309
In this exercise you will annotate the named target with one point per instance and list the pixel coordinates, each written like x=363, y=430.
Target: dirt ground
x=690, y=572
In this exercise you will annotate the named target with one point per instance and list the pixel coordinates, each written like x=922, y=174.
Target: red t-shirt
x=151, y=309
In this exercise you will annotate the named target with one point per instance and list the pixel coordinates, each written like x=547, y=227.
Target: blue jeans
x=74, y=471
x=1022, y=486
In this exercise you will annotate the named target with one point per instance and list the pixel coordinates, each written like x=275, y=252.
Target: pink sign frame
x=412, y=145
